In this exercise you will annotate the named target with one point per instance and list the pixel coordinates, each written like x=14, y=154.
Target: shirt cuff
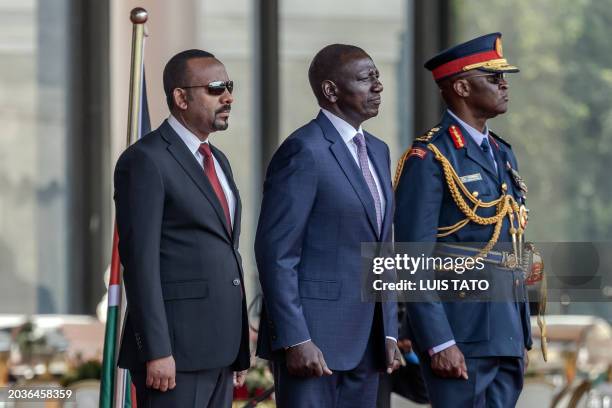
x=392, y=338
x=297, y=344
x=441, y=347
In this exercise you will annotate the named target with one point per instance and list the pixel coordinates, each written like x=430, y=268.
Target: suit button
x=516, y=283
x=236, y=282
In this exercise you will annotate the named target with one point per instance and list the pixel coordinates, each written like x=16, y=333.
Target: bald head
x=328, y=65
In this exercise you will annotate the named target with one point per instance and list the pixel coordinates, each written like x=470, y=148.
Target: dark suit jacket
x=316, y=212
x=423, y=203
x=182, y=269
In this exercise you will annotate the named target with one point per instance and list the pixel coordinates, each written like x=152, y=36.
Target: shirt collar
x=476, y=135
x=347, y=132
x=191, y=140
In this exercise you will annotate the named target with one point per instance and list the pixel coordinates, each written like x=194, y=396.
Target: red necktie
x=209, y=170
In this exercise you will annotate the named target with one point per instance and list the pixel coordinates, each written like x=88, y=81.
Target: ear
x=462, y=88
x=330, y=90
x=180, y=98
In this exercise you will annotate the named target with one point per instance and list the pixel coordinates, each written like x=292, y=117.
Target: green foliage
x=560, y=116
x=31, y=342
x=259, y=377
x=88, y=370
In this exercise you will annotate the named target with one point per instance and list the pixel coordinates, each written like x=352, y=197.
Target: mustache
x=224, y=108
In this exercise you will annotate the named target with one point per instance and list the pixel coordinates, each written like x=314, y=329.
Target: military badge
x=457, y=137
x=418, y=152
x=498, y=47
x=517, y=179
x=470, y=177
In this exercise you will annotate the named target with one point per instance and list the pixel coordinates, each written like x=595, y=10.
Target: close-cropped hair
x=175, y=72
x=327, y=64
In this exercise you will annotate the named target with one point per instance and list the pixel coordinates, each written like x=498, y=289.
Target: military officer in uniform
x=459, y=183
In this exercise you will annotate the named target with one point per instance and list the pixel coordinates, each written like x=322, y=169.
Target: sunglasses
x=215, y=87
x=495, y=78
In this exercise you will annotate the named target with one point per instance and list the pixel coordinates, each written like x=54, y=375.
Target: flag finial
x=139, y=15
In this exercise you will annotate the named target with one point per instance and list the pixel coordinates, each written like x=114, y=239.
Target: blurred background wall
x=64, y=71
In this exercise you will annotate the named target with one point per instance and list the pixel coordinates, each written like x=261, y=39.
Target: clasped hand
x=306, y=360
x=449, y=363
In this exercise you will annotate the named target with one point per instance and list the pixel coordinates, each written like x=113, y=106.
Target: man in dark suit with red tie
x=185, y=338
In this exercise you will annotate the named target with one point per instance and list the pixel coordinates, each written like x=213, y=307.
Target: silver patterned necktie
x=362, y=156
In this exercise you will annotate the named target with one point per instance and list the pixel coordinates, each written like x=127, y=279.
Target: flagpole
x=115, y=382
x=138, y=16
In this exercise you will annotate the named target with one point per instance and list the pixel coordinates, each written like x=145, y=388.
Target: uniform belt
x=501, y=259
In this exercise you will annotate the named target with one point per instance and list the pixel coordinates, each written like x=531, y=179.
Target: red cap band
x=455, y=66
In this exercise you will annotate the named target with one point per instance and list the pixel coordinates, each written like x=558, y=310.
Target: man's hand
x=526, y=361
x=405, y=345
x=161, y=374
x=449, y=363
x=394, y=355
x=306, y=360
x=240, y=377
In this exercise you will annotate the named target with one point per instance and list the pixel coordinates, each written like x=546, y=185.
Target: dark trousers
x=201, y=389
x=494, y=382
x=407, y=382
x=385, y=388
x=355, y=388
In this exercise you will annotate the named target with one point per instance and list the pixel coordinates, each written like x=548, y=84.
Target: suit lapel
x=350, y=168
x=230, y=179
x=185, y=159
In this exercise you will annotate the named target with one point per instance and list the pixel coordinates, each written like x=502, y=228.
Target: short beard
x=218, y=124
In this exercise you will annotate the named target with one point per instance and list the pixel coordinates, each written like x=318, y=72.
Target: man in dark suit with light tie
x=178, y=216
x=327, y=190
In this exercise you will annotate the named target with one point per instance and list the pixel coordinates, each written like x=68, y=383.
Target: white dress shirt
x=193, y=144
x=348, y=132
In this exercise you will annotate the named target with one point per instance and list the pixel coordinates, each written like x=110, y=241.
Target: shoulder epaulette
x=417, y=150
x=499, y=139
x=427, y=137
x=400, y=166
